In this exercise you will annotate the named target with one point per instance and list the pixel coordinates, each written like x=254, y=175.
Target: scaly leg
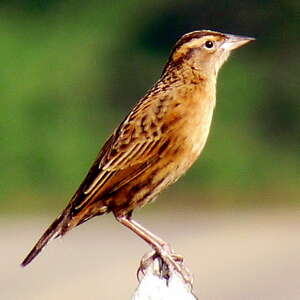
x=161, y=248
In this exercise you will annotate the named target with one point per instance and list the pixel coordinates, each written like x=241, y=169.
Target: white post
x=154, y=287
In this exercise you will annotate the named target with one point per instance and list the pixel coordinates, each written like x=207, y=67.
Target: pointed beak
x=235, y=41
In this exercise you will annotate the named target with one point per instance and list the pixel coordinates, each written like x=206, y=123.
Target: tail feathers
x=56, y=229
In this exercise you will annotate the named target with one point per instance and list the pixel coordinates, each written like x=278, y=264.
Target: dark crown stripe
x=187, y=38
x=193, y=35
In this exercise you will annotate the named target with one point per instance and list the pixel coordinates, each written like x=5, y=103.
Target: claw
x=167, y=261
x=145, y=263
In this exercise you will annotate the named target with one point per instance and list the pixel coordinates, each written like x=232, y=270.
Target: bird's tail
x=58, y=228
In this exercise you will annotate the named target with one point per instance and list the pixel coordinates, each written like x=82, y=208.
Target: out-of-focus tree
x=70, y=70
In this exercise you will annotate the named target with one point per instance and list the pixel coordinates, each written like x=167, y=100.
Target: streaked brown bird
x=156, y=143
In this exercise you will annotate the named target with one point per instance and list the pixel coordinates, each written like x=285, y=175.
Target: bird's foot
x=168, y=261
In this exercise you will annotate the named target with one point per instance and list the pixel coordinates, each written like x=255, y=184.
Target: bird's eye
x=209, y=44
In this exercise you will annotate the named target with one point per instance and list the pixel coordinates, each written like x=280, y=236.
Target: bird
x=155, y=144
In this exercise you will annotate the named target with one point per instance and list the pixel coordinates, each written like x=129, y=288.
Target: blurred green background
x=70, y=71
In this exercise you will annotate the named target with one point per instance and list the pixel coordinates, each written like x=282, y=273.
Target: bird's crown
x=205, y=46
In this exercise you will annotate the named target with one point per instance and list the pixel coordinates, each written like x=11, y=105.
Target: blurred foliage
x=70, y=70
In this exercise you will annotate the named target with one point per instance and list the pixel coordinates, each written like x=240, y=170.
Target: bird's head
x=205, y=51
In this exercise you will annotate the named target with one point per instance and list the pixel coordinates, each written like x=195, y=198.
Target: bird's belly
x=186, y=141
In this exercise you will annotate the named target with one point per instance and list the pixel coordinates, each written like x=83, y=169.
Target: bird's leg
x=152, y=236
x=161, y=248
x=150, y=256
x=154, y=241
